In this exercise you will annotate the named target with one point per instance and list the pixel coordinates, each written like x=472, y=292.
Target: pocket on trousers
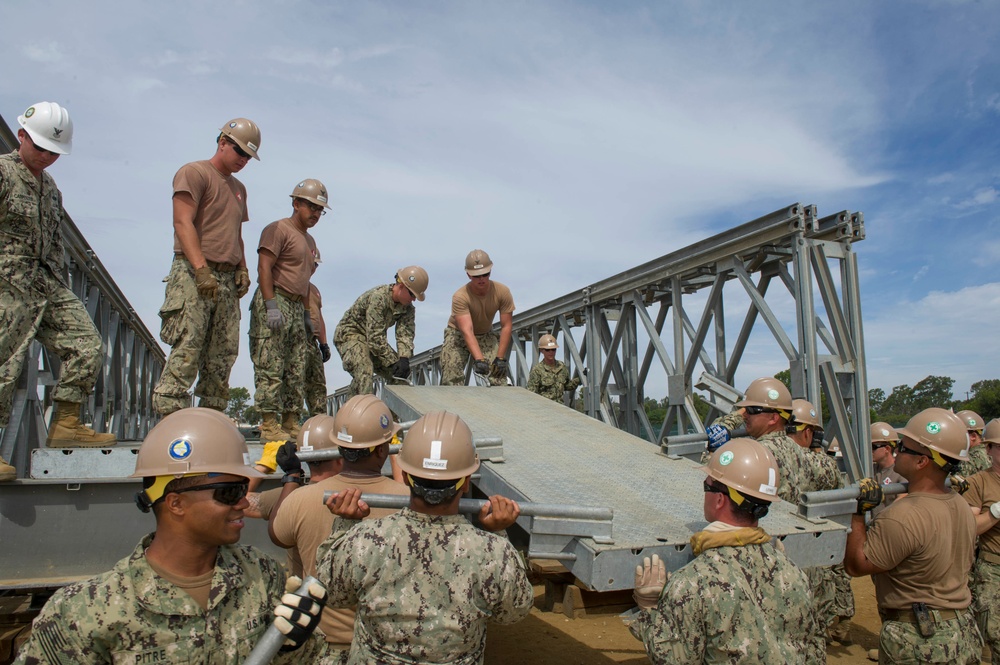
x=171, y=318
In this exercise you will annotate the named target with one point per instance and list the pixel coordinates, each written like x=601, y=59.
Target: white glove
x=650, y=578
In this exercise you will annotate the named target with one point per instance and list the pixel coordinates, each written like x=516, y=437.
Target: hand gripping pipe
x=272, y=639
x=473, y=506
x=702, y=436
x=848, y=494
x=333, y=453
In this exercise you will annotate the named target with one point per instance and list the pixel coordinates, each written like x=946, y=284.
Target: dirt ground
x=600, y=638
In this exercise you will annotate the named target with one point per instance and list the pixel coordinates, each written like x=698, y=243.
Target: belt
x=289, y=296
x=907, y=616
x=989, y=557
x=214, y=265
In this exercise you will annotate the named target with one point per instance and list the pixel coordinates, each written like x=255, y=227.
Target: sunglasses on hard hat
x=228, y=494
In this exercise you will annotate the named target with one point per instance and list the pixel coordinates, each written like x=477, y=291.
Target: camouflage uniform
x=361, y=339
x=984, y=580
x=955, y=641
x=131, y=614
x=315, y=380
x=551, y=381
x=204, y=336
x=279, y=356
x=424, y=586
x=978, y=461
x=733, y=604
x=455, y=356
x=34, y=301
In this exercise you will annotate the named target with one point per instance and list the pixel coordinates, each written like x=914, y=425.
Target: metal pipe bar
x=334, y=453
x=701, y=437
x=473, y=506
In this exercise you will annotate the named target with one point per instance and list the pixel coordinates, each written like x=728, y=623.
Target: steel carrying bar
x=827, y=503
x=689, y=445
x=488, y=447
x=272, y=640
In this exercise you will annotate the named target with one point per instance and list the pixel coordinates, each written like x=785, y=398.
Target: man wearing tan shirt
x=470, y=328
x=983, y=496
x=280, y=330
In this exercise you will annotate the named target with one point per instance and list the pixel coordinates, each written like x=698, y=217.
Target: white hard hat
x=49, y=127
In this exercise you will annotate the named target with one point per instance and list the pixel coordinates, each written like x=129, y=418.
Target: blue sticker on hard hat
x=180, y=449
x=726, y=458
x=933, y=427
x=772, y=394
x=301, y=184
x=812, y=412
x=30, y=112
x=412, y=278
x=232, y=124
x=384, y=421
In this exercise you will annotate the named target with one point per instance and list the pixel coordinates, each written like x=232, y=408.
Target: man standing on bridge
x=740, y=600
x=280, y=327
x=470, y=328
x=550, y=378
x=361, y=338
x=200, y=316
x=34, y=300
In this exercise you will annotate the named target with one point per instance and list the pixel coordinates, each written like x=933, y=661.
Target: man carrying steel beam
x=361, y=338
x=424, y=580
x=920, y=549
x=550, y=378
x=200, y=316
x=741, y=600
x=34, y=300
x=470, y=327
x=188, y=593
x=362, y=431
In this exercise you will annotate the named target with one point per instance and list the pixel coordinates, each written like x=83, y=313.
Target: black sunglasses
x=314, y=207
x=228, y=494
x=239, y=151
x=755, y=410
x=711, y=488
x=40, y=148
x=900, y=448
x=876, y=446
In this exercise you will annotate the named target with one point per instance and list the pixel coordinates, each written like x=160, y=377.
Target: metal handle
x=333, y=453
x=272, y=639
x=849, y=493
x=473, y=506
x=701, y=436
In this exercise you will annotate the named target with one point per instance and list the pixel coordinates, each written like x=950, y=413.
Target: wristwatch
x=995, y=510
x=293, y=478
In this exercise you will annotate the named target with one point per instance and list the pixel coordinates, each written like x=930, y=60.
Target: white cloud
x=45, y=53
x=981, y=197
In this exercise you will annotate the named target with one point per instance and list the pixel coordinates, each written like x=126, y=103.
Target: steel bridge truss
x=664, y=323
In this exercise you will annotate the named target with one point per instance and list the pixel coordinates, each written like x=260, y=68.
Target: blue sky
x=571, y=140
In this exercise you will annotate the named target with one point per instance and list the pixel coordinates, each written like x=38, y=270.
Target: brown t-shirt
x=925, y=543
x=197, y=587
x=303, y=520
x=481, y=309
x=295, y=256
x=221, y=204
x=984, y=491
x=886, y=477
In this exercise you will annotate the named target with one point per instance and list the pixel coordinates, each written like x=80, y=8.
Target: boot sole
x=63, y=443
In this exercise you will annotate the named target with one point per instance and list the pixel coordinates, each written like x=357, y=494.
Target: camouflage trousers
x=204, y=339
x=315, y=381
x=359, y=363
x=985, y=585
x=50, y=313
x=279, y=356
x=334, y=654
x=455, y=356
x=832, y=595
x=955, y=641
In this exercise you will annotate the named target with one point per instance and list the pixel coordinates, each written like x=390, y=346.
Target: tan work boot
x=290, y=423
x=66, y=430
x=7, y=472
x=270, y=430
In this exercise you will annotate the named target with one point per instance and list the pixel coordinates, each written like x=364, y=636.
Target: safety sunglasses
x=228, y=494
x=901, y=448
x=876, y=446
x=756, y=410
x=711, y=488
x=40, y=148
x=239, y=151
x=314, y=207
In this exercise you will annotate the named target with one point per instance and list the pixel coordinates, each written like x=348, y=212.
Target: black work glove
x=499, y=367
x=401, y=368
x=287, y=459
x=959, y=483
x=298, y=614
x=481, y=367
x=324, y=349
x=870, y=495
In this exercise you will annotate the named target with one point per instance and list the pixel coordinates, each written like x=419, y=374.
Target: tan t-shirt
x=482, y=309
x=295, y=256
x=304, y=521
x=886, y=477
x=221, y=204
x=197, y=587
x=984, y=491
x=925, y=542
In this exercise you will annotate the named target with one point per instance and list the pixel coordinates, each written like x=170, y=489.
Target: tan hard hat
x=747, y=467
x=973, y=421
x=805, y=413
x=316, y=433
x=439, y=447
x=992, y=432
x=245, y=133
x=769, y=393
x=415, y=279
x=311, y=190
x=547, y=342
x=883, y=432
x=478, y=263
x=49, y=127
x=362, y=422
x=194, y=441
x=941, y=431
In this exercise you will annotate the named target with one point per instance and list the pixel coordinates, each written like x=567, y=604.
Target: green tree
x=985, y=399
x=239, y=398
x=876, y=398
x=251, y=416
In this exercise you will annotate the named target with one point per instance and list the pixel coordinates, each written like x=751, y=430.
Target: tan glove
x=242, y=280
x=650, y=578
x=208, y=286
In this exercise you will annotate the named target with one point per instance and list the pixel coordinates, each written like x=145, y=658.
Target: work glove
x=401, y=368
x=717, y=436
x=870, y=495
x=268, y=456
x=205, y=282
x=481, y=367
x=959, y=483
x=298, y=614
x=307, y=322
x=499, y=368
x=287, y=459
x=324, y=349
x=242, y=279
x=650, y=578
x=274, y=318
